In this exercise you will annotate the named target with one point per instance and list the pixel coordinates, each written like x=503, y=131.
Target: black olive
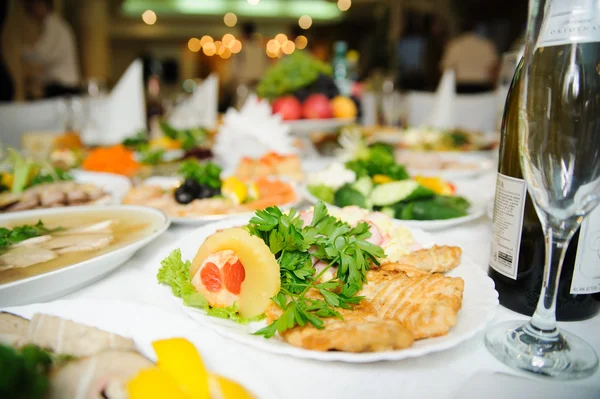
x=192, y=186
x=183, y=196
x=205, y=191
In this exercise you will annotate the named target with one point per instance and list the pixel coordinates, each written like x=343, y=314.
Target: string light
x=236, y=47
x=206, y=39
x=281, y=38
x=301, y=42
x=209, y=49
x=194, y=44
x=288, y=47
x=273, y=46
x=344, y=5
x=253, y=2
x=230, y=19
x=228, y=39
x=149, y=17
x=305, y=21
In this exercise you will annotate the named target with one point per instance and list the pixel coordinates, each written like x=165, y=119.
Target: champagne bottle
x=518, y=248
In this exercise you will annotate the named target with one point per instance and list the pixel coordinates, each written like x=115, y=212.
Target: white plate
x=146, y=324
x=118, y=186
x=475, y=212
x=167, y=182
x=480, y=301
x=60, y=282
x=482, y=163
x=305, y=127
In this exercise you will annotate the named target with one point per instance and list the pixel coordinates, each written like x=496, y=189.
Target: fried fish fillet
x=434, y=260
x=426, y=304
x=361, y=330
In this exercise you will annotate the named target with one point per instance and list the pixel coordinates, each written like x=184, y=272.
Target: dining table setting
x=284, y=249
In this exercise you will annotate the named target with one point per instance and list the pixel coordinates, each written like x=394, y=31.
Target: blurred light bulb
x=194, y=44
x=253, y=2
x=206, y=39
x=273, y=46
x=228, y=39
x=236, y=47
x=288, y=47
x=149, y=17
x=305, y=21
x=230, y=19
x=209, y=49
x=281, y=38
x=344, y=5
x=301, y=42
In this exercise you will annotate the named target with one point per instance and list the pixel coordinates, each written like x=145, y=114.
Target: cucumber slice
x=389, y=211
x=364, y=185
x=391, y=193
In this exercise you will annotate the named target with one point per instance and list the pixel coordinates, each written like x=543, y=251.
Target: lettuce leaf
x=174, y=272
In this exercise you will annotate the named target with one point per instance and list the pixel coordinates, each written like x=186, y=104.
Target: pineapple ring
x=262, y=280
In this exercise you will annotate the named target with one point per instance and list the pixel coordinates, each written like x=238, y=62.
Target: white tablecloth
x=440, y=375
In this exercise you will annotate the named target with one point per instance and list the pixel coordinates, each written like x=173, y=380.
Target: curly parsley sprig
x=329, y=240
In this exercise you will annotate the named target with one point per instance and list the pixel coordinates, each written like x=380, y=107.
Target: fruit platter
x=301, y=90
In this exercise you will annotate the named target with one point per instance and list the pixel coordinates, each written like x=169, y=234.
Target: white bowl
x=56, y=283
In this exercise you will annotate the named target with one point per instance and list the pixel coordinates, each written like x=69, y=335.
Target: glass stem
x=544, y=317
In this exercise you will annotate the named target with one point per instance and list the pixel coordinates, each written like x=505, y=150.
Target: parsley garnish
x=208, y=173
x=22, y=233
x=329, y=240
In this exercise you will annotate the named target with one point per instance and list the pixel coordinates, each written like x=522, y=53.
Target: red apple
x=288, y=107
x=317, y=106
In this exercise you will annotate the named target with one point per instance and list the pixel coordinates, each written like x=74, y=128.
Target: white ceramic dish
x=118, y=186
x=480, y=301
x=475, y=164
x=60, y=282
x=167, y=182
x=475, y=212
x=305, y=127
x=146, y=324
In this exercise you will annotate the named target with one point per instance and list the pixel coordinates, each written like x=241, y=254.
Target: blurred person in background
x=250, y=64
x=7, y=87
x=54, y=54
x=474, y=60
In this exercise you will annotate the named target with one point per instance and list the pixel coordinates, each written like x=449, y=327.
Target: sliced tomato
x=211, y=277
x=234, y=275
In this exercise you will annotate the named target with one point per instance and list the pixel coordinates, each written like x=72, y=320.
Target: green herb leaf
x=208, y=173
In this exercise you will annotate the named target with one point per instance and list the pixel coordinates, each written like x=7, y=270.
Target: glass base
x=557, y=354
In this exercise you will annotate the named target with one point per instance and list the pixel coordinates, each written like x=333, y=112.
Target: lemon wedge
x=253, y=191
x=234, y=189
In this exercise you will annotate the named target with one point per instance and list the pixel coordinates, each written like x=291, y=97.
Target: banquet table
x=464, y=371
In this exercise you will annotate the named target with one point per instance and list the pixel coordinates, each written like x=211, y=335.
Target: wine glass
x=559, y=145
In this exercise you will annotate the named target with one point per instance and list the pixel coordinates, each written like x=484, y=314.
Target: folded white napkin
x=442, y=115
x=200, y=109
x=252, y=131
x=119, y=115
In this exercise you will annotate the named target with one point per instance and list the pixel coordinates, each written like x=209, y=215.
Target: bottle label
x=509, y=205
x=586, y=274
x=570, y=21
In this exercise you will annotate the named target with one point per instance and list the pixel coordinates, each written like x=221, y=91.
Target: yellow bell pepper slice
x=179, y=358
x=230, y=389
x=382, y=179
x=436, y=185
x=154, y=383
